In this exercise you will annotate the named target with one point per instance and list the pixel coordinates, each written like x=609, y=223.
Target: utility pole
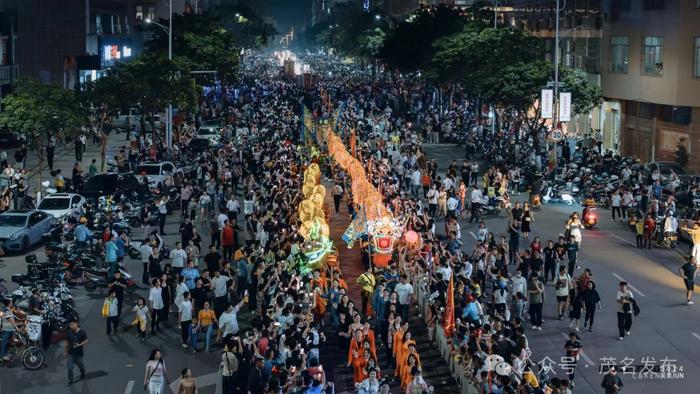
x=169, y=128
x=493, y=107
x=555, y=119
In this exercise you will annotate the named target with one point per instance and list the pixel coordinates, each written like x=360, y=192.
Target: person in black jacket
x=611, y=382
x=591, y=301
x=256, y=382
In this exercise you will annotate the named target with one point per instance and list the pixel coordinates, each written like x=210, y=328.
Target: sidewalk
x=64, y=159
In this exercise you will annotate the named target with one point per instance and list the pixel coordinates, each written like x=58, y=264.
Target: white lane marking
x=472, y=234
x=696, y=335
x=129, y=387
x=634, y=289
x=622, y=239
x=585, y=357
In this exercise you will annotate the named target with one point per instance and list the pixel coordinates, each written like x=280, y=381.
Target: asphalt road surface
x=667, y=331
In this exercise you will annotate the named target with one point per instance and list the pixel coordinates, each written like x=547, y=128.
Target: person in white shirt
x=221, y=220
x=220, y=285
x=452, y=204
x=162, y=213
x=670, y=223
x=627, y=200
x=448, y=183
x=432, y=197
x=233, y=207
x=467, y=270
x=475, y=199
x=616, y=203
x=178, y=257
x=228, y=322
x=155, y=299
x=415, y=182
x=146, y=252
x=185, y=312
x=404, y=290
x=518, y=284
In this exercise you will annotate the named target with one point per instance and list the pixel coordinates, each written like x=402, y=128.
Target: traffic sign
x=557, y=135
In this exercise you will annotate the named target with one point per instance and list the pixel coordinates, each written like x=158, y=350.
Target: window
x=117, y=24
x=593, y=56
x=98, y=24
x=653, y=56
x=139, y=12
x=127, y=28
x=622, y=5
x=654, y=4
x=677, y=115
x=619, y=54
x=696, y=69
x=151, y=14
x=645, y=110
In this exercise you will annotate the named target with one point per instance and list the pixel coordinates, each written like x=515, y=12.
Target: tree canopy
x=149, y=82
x=409, y=45
x=33, y=109
x=200, y=42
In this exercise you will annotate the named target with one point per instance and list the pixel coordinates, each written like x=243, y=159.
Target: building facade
x=651, y=78
x=68, y=42
x=9, y=70
x=580, y=38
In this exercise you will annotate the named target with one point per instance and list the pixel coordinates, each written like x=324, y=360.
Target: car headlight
x=15, y=236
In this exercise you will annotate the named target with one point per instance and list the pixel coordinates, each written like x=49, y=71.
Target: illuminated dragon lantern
x=313, y=227
x=384, y=230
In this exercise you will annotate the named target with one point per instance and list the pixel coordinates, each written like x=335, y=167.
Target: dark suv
x=110, y=184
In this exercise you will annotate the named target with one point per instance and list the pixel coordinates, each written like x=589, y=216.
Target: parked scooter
x=95, y=278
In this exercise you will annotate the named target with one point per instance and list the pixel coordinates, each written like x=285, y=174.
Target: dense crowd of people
x=240, y=254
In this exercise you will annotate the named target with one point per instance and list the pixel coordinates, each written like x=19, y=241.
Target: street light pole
x=169, y=124
x=495, y=14
x=493, y=107
x=555, y=119
x=169, y=110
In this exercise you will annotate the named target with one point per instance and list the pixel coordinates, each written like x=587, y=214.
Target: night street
x=349, y=196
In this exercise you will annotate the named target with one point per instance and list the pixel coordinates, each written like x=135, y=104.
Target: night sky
x=287, y=12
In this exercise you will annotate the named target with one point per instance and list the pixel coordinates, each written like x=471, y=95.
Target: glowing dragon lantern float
x=383, y=229
x=313, y=227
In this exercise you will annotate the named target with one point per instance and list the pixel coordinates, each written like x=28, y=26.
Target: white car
x=156, y=172
x=210, y=131
x=62, y=205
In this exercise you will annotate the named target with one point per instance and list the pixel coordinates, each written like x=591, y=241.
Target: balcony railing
x=6, y=74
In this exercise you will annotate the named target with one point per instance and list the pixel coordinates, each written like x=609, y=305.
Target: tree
x=370, y=42
x=409, y=46
x=475, y=54
x=245, y=24
x=149, y=83
x=516, y=92
x=200, y=42
x=35, y=110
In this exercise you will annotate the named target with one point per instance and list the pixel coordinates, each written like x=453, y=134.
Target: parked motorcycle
x=95, y=278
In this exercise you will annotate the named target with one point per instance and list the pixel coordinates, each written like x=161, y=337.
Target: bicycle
x=21, y=347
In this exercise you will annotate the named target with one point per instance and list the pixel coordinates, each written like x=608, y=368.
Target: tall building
x=66, y=42
x=651, y=78
x=580, y=36
x=8, y=66
x=399, y=8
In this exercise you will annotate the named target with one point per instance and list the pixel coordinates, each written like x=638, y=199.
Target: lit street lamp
x=169, y=113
